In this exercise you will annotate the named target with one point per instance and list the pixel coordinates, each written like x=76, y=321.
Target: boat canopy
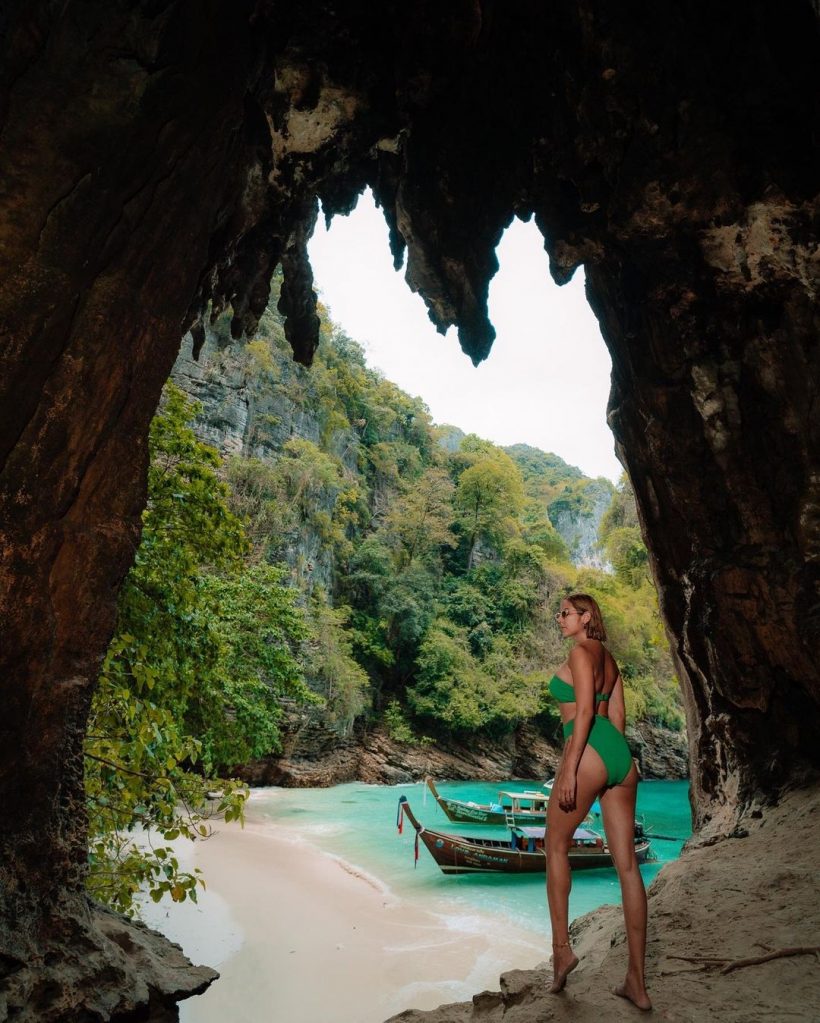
x=538, y=797
x=581, y=834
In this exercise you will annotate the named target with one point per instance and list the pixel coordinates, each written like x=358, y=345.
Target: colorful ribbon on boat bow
x=400, y=826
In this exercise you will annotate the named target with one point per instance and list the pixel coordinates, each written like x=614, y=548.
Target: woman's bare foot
x=633, y=992
x=564, y=961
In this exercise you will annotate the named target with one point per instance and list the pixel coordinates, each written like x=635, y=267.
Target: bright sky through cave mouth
x=546, y=380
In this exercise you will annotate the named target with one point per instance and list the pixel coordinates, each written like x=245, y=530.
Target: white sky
x=546, y=381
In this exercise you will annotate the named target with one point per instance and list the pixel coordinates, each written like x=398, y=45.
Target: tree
x=626, y=550
x=191, y=681
x=620, y=536
x=343, y=682
x=418, y=522
x=489, y=497
x=465, y=692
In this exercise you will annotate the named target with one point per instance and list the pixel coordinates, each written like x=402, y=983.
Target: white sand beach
x=301, y=936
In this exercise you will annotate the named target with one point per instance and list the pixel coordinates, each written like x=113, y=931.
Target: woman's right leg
x=618, y=808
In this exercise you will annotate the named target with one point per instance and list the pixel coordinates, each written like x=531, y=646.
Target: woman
x=596, y=763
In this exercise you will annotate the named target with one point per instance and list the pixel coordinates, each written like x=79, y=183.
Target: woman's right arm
x=617, y=707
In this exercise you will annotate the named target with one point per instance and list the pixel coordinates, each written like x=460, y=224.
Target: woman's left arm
x=583, y=681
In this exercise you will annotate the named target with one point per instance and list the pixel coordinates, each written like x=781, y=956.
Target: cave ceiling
x=643, y=125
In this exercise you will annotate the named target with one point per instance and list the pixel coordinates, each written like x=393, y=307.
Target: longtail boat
x=524, y=853
x=513, y=807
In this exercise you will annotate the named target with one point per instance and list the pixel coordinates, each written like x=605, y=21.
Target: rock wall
x=579, y=527
x=238, y=417
x=673, y=152
x=117, y=165
x=659, y=752
x=313, y=754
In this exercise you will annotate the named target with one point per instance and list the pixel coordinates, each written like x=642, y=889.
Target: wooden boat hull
x=455, y=854
x=462, y=812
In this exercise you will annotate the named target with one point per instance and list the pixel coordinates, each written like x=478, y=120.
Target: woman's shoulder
x=581, y=653
x=588, y=648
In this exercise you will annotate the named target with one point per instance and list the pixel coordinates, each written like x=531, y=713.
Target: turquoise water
x=358, y=823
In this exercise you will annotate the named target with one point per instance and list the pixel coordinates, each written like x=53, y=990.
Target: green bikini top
x=564, y=692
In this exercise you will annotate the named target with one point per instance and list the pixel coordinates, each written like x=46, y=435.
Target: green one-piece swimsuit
x=604, y=737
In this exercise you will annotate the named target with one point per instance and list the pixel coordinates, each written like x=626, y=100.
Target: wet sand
x=301, y=936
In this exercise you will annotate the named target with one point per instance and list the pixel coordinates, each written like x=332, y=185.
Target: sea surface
x=357, y=823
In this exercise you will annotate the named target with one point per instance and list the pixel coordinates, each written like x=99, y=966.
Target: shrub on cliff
x=205, y=647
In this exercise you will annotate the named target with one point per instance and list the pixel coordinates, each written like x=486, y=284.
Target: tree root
x=728, y=965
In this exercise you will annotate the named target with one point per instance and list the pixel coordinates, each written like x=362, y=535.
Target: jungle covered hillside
x=428, y=562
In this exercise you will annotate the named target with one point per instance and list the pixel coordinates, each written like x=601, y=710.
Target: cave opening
x=557, y=404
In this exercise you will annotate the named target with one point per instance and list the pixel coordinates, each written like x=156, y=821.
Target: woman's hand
x=564, y=788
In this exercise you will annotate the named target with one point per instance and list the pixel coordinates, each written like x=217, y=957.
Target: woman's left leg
x=618, y=807
x=561, y=825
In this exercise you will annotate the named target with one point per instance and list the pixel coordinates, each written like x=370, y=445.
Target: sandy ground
x=299, y=936
x=740, y=898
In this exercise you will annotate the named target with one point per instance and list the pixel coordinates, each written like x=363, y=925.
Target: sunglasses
x=565, y=613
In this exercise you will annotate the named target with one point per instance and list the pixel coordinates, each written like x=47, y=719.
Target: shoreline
x=301, y=934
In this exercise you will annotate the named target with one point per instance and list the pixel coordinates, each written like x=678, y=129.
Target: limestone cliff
x=240, y=418
x=578, y=526
x=315, y=755
x=254, y=401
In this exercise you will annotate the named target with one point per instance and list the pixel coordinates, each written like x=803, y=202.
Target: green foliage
x=466, y=691
x=340, y=679
x=542, y=468
x=418, y=522
x=192, y=679
x=397, y=727
x=260, y=630
x=489, y=498
x=620, y=536
x=622, y=512
x=312, y=479
x=625, y=549
x=450, y=685
x=577, y=498
x=539, y=532
x=426, y=561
